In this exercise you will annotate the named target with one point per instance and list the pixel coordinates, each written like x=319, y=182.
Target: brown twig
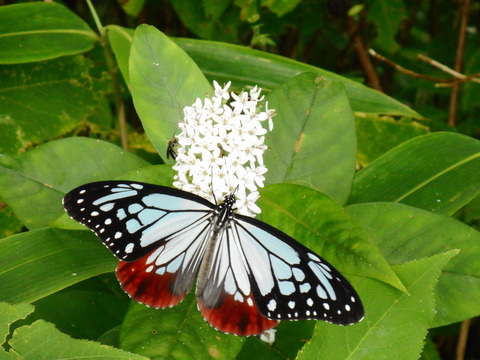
x=404, y=70
x=362, y=54
x=458, y=78
x=464, y=9
x=462, y=340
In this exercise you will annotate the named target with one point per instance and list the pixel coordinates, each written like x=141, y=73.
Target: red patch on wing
x=234, y=317
x=147, y=287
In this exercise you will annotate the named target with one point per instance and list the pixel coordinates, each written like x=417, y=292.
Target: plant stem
x=113, y=71
x=452, y=111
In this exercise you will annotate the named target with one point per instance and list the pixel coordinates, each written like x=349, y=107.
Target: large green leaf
x=439, y=172
x=323, y=226
x=33, y=183
x=164, y=80
x=387, y=15
x=378, y=134
x=248, y=67
x=42, y=101
x=120, y=39
x=38, y=263
x=10, y=313
x=176, y=333
x=83, y=314
x=404, y=233
x=395, y=323
x=40, y=31
x=41, y=341
x=313, y=140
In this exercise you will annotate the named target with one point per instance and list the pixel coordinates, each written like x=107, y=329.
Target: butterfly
x=250, y=274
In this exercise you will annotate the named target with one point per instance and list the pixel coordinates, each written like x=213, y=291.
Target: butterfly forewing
x=132, y=218
x=292, y=282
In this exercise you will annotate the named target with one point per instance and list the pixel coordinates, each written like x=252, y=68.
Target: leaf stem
x=113, y=71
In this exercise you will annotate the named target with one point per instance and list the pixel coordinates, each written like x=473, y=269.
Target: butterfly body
x=250, y=274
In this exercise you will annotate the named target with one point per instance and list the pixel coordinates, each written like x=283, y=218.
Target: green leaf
x=132, y=7
x=42, y=340
x=82, y=314
x=290, y=337
x=120, y=39
x=9, y=314
x=439, y=172
x=176, y=333
x=215, y=8
x=306, y=148
x=387, y=15
x=323, y=226
x=378, y=134
x=280, y=7
x=404, y=233
x=201, y=18
x=247, y=67
x=38, y=263
x=164, y=80
x=42, y=101
x=395, y=323
x=40, y=31
x=34, y=183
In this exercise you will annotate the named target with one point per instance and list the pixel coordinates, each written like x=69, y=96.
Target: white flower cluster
x=221, y=145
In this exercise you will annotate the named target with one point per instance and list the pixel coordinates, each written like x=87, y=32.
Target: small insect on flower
x=171, y=149
x=250, y=275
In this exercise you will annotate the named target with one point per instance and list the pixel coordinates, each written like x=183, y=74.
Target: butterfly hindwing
x=224, y=291
x=133, y=218
x=163, y=277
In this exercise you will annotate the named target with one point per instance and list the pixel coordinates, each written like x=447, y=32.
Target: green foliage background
x=385, y=187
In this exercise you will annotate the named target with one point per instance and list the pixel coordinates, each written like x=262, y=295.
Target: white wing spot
x=291, y=304
x=347, y=307
x=309, y=302
x=136, y=186
x=307, y=312
x=339, y=312
x=79, y=201
x=82, y=192
x=108, y=221
x=118, y=235
x=129, y=248
x=149, y=269
x=249, y=301
x=102, y=230
x=94, y=213
x=352, y=298
x=272, y=305
x=326, y=306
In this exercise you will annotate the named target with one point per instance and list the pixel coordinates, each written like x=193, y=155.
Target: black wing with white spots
x=292, y=282
x=133, y=218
